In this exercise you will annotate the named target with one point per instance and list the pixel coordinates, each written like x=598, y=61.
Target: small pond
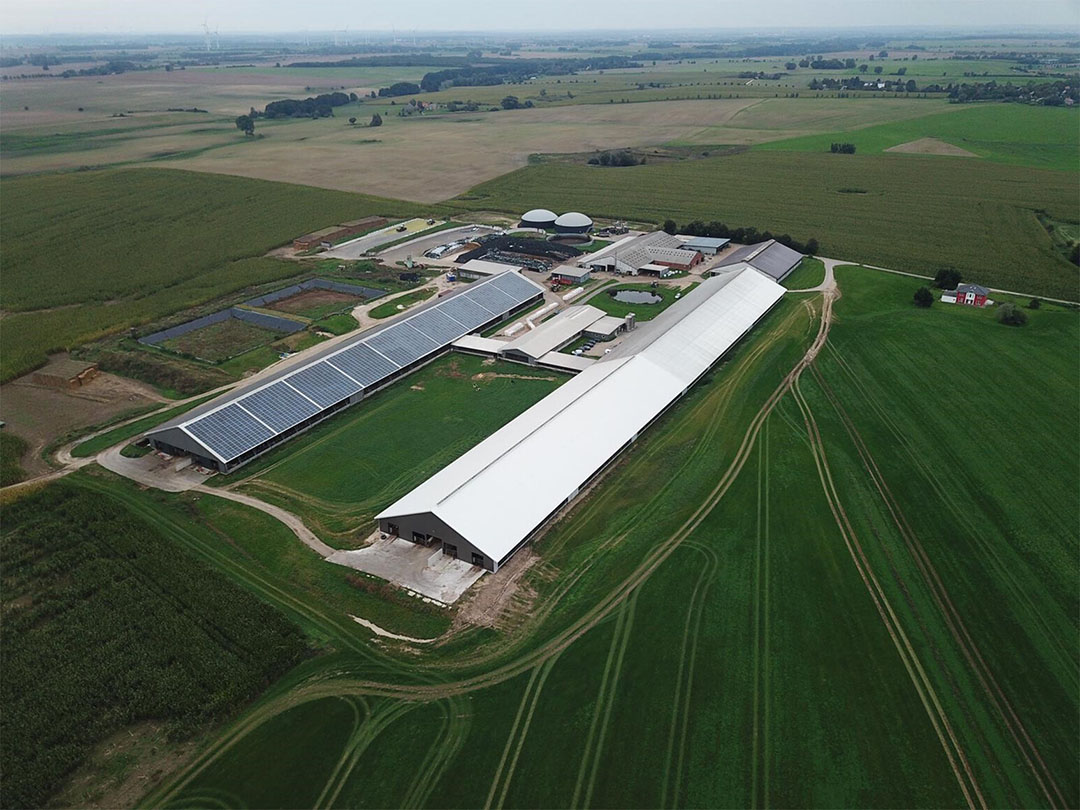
x=635, y=296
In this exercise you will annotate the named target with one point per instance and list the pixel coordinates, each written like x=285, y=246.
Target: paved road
x=416, y=247
x=356, y=248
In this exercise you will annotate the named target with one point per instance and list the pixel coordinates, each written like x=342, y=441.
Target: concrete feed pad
x=426, y=571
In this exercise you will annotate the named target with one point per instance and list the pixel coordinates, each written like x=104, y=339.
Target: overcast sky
x=236, y=16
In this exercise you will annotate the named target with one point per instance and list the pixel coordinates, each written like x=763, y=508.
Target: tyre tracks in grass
x=515, y=741
x=760, y=735
x=958, y=631
x=605, y=701
x=680, y=706
x=361, y=739
x=1001, y=568
x=954, y=752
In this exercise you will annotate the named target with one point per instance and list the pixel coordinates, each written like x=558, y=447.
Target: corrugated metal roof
x=549, y=336
x=769, y=257
x=501, y=490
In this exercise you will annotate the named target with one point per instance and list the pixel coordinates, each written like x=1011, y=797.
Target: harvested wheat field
x=431, y=159
x=930, y=146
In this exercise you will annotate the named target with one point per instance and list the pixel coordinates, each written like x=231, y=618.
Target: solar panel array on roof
x=230, y=432
x=402, y=344
x=438, y=326
x=363, y=364
x=515, y=286
x=465, y=311
x=279, y=406
x=491, y=299
x=323, y=383
x=257, y=416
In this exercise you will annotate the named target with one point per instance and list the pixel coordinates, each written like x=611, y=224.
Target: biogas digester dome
x=539, y=218
x=573, y=222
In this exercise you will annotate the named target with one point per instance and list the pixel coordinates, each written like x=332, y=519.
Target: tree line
x=744, y=236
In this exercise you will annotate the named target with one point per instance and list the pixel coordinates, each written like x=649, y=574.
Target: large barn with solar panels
x=236, y=427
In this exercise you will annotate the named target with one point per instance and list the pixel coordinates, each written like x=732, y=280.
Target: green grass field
x=340, y=473
x=402, y=302
x=809, y=273
x=337, y=324
x=864, y=615
x=918, y=213
x=1040, y=137
x=93, y=253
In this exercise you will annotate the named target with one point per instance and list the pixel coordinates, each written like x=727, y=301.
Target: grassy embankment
x=94, y=253
x=809, y=273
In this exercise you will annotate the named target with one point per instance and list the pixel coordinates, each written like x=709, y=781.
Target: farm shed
x=65, y=373
x=240, y=425
x=628, y=257
x=477, y=507
x=770, y=257
x=567, y=274
x=478, y=268
x=972, y=295
x=706, y=245
x=552, y=335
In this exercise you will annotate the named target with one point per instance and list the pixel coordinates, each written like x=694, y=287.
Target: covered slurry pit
x=479, y=509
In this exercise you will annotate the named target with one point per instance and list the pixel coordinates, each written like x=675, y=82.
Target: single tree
x=923, y=297
x=352, y=120
x=376, y=120
x=1034, y=304
x=246, y=124
x=1011, y=315
x=510, y=103
x=878, y=68
x=670, y=227
x=946, y=278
